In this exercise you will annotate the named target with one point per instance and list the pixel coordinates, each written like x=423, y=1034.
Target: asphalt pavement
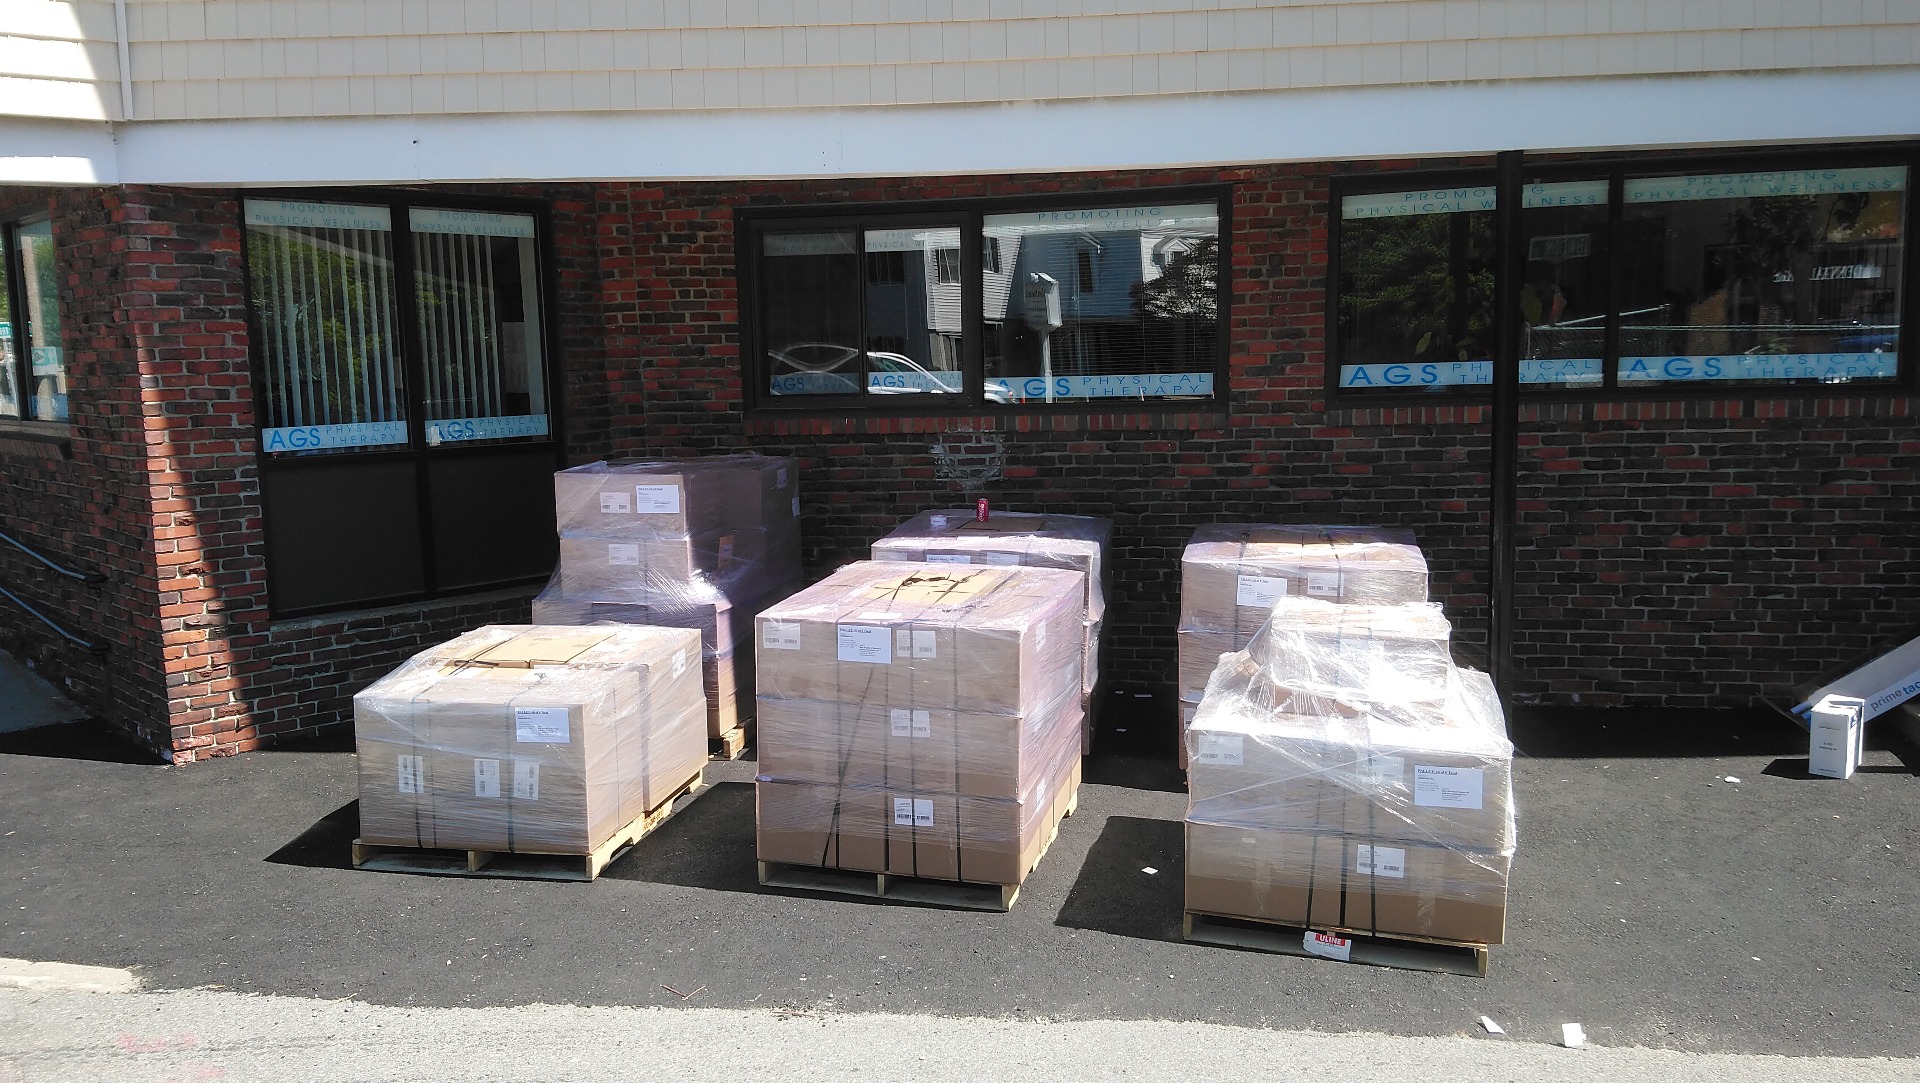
x=1654, y=901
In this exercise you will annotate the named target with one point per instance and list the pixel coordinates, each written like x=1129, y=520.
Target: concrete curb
x=65, y=977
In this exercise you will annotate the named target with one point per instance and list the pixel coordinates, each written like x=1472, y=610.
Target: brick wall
x=1703, y=552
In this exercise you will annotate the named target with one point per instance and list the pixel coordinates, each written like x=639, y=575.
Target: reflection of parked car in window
x=810, y=368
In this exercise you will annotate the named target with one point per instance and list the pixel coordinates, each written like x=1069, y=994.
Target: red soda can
x=980, y=510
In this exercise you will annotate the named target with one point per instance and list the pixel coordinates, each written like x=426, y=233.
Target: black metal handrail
x=51, y=564
x=57, y=568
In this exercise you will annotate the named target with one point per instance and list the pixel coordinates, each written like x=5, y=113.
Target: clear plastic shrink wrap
x=678, y=531
x=531, y=740
x=919, y=719
x=691, y=543
x=1072, y=542
x=1232, y=573
x=1343, y=773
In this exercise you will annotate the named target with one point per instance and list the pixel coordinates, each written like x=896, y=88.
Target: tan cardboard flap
x=539, y=647
x=938, y=589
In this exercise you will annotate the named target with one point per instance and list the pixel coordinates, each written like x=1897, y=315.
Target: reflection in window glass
x=322, y=287
x=1782, y=276
x=1416, y=289
x=9, y=359
x=40, y=286
x=913, y=321
x=810, y=312
x=1563, y=297
x=1107, y=302
x=477, y=294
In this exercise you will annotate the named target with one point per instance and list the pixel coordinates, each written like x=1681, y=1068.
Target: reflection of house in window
x=946, y=266
x=990, y=255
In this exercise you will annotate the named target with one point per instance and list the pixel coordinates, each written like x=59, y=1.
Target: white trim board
x=1031, y=137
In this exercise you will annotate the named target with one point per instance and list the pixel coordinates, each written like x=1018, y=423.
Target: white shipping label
x=1004, y=560
x=526, y=780
x=412, y=774
x=865, y=643
x=623, y=554
x=1260, y=591
x=1323, y=584
x=922, y=812
x=923, y=723
x=903, y=642
x=1328, y=946
x=780, y=635
x=726, y=550
x=656, y=499
x=938, y=522
x=1223, y=749
x=486, y=778
x=923, y=644
x=1386, y=770
x=1390, y=861
x=900, y=722
x=796, y=505
x=679, y=662
x=780, y=478
x=542, y=725
x=903, y=812
x=1448, y=787
x=620, y=503
x=949, y=558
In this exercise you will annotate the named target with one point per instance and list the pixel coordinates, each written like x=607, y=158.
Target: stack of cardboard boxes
x=1233, y=573
x=1072, y=542
x=1345, y=775
x=699, y=543
x=920, y=719
x=529, y=740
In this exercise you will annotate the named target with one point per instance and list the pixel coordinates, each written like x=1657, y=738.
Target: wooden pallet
x=956, y=894
x=732, y=744
x=526, y=865
x=1400, y=952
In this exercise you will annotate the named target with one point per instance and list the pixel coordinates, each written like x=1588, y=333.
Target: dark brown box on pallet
x=798, y=823
x=1342, y=882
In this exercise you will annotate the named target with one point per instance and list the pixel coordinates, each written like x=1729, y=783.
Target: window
x=1065, y=303
x=33, y=372
x=1634, y=279
x=401, y=357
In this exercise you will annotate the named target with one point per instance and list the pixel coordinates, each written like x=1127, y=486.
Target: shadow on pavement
x=1113, y=894
x=328, y=844
x=90, y=741
x=1652, y=733
x=708, y=844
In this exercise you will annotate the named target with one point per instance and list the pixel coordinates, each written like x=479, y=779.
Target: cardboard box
x=1231, y=574
x=1349, y=883
x=978, y=640
x=1836, y=735
x=1278, y=772
x=542, y=740
x=671, y=571
x=824, y=743
x=800, y=823
x=1449, y=785
x=678, y=498
x=1069, y=542
x=1199, y=653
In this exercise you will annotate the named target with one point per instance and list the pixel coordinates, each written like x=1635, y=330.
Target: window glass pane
x=1102, y=302
x=1786, y=276
x=477, y=299
x=9, y=360
x=322, y=286
x=40, y=289
x=810, y=312
x=1416, y=289
x=913, y=316
x=1563, y=297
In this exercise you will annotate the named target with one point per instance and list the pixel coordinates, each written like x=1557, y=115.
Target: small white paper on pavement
x=1491, y=1026
x=1572, y=1035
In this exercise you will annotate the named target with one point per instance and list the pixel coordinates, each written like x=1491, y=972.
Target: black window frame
x=20, y=320
x=1615, y=170
x=417, y=449
x=751, y=223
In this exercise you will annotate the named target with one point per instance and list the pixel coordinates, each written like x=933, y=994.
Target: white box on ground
x=1836, y=736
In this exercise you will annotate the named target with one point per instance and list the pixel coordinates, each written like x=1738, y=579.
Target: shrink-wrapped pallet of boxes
x=695, y=543
x=918, y=724
x=518, y=740
x=1232, y=573
x=1346, y=777
x=1072, y=542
